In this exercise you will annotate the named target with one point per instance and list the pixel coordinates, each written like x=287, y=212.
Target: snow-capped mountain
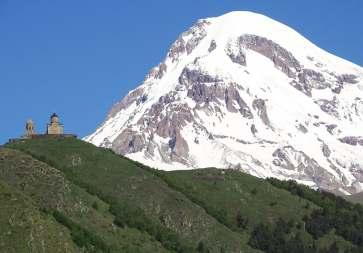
x=246, y=92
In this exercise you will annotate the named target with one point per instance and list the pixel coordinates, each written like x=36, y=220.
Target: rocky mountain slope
x=246, y=92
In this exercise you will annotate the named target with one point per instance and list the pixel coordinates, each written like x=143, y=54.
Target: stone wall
x=54, y=128
x=44, y=136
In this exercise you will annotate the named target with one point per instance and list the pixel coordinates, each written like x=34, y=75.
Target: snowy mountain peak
x=246, y=92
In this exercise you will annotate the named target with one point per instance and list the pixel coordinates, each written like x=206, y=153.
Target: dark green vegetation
x=278, y=218
x=89, y=199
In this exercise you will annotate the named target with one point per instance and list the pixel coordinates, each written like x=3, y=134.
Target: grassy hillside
x=232, y=195
x=138, y=198
x=24, y=228
x=108, y=203
x=243, y=202
x=91, y=224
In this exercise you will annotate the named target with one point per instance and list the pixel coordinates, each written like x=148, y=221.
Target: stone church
x=55, y=127
x=54, y=130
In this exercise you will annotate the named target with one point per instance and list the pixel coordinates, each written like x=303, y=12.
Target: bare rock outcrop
x=213, y=46
x=313, y=79
x=232, y=97
x=188, y=41
x=158, y=72
x=128, y=141
x=352, y=140
x=260, y=106
x=347, y=78
x=126, y=101
x=306, y=167
x=283, y=59
x=236, y=53
x=329, y=106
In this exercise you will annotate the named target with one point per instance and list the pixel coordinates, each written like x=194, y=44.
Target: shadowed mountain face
x=243, y=91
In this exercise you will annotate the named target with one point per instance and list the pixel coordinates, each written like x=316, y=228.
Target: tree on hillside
x=242, y=222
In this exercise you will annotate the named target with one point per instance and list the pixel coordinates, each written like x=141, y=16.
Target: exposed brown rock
x=313, y=79
x=181, y=46
x=282, y=58
x=128, y=141
x=158, y=72
x=237, y=56
x=260, y=106
x=232, y=96
x=307, y=167
x=329, y=106
x=125, y=102
x=213, y=46
x=352, y=140
x=347, y=78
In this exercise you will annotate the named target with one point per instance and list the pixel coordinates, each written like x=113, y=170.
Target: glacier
x=243, y=91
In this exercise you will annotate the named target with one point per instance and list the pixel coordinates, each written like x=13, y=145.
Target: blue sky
x=78, y=57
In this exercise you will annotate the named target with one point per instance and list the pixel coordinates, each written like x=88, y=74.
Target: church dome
x=54, y=118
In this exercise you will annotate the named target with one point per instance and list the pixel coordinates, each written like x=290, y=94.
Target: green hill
x=107, y=203
x=228, y=194
x=24, y=228
x=136, y=197
x=87, y=217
